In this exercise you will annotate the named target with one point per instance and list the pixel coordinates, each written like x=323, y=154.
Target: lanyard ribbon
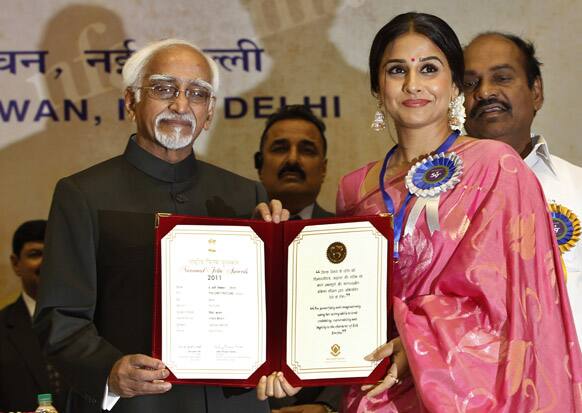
x=415, y=213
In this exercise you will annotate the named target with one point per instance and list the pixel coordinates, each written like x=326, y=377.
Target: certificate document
x=237, y=299
x=213, y=309
x=336, y=300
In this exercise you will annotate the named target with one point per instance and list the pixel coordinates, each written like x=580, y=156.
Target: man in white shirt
x=24, y=372
x=503, y=92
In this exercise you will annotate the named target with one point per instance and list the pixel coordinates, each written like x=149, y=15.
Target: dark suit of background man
x=24, y=372
x=292, y=164
x=94, y=314
x=292, y=160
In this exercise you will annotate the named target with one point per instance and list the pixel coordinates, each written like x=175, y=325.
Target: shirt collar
x=29, y=302
x=307, y=212
x=539, y=152
x=158, y=168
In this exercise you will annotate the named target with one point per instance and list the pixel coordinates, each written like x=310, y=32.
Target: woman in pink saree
x=483, y=319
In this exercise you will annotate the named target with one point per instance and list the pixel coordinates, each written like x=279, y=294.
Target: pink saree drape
x=481, y=305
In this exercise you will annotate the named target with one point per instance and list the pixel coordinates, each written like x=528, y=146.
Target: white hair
x=133, y=69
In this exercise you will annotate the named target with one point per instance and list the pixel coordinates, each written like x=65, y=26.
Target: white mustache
x=186, y=117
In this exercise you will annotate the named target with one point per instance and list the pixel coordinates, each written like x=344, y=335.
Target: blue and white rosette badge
x=427, y=180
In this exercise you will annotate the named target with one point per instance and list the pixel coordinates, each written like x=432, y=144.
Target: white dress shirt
x=562, y=184
x=307, y=212
x=29, y=302
x=109, y=398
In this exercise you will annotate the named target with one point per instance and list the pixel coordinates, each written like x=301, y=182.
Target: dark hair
x=294, y=112
x=433, y=27
x=29, y=231
x=528, y=50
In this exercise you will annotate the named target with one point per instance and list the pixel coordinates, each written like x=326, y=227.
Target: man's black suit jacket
x=95, y=300
x=23, y=372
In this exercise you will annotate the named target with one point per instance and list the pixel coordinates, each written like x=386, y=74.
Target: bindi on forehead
x=413, y=59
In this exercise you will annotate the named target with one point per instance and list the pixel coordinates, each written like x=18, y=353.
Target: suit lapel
x=19, y=332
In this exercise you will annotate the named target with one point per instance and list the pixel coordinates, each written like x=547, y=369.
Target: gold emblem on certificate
x=335, y=350
x=336, y=252
x=211, y=245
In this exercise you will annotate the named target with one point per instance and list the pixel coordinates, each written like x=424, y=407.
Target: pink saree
x=481, y=306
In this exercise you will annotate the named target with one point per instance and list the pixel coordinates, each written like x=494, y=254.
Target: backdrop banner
x=61, y=107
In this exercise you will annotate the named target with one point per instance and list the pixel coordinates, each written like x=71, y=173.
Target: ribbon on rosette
x=427, y=180
x=566, y=227
x=399, y=216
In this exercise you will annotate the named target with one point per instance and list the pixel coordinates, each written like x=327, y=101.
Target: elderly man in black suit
x=94, y=314
x=24, y=373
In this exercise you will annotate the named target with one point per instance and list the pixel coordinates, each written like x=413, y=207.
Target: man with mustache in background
x=94, y=313
x=504, y=90
x=292, y=162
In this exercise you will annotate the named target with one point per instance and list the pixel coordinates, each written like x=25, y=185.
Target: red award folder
x=277, y=239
